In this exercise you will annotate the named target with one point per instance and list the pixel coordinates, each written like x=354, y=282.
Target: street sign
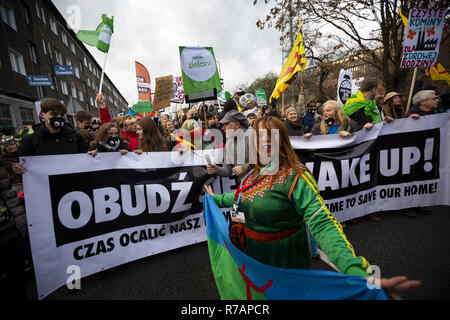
x=63, y=70
x=40, y=81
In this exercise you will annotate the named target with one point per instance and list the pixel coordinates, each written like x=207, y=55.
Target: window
x=27, y=116
x=81, y=66
x=68, y=62
x=40, y=92
x=33, y=52
x=91, y=101
x=64, y=88
x=74, y=92
x=85, y=61
x=26, y=13
x=59, y=59
x=64, y=38
x=8, y=16
x=40, y=12
x=72, y=46
x=17, y=62
x=77, y=72
x=44, y=46
x=49, y=50
x=80, y=95
x=90, y=66
x=5, y=115
x=89, y=81
x=53, y=26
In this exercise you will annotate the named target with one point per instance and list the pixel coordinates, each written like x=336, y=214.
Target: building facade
x=34, y=38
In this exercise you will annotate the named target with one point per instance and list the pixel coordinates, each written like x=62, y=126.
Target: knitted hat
x=289, y=110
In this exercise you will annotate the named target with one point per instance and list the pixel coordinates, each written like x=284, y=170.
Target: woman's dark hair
x=152, y=139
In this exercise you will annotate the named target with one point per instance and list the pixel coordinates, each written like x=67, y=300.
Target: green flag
x=100, y=37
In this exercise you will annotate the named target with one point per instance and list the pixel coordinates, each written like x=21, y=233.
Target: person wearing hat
x=234, y=124
x=393, y=107
x=293, y=123
x=229, y=105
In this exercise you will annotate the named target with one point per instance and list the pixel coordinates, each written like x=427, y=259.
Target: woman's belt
x=238, y=233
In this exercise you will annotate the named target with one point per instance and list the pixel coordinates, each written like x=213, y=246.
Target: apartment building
x=34, y=38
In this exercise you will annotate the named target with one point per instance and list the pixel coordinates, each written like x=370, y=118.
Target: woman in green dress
x=279, y=202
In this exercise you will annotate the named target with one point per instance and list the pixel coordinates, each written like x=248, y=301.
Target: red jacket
x=131, y=137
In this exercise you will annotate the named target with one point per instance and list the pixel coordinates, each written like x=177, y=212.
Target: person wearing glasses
x=425, y=103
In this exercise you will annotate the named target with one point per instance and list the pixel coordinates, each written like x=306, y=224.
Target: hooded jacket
x=42, y=142
x=360, y=110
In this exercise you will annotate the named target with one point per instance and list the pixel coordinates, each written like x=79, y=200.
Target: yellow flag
x=295, y=62
x=438, y=72
x=404, y=19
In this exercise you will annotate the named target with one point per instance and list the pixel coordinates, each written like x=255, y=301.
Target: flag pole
x=103, y=73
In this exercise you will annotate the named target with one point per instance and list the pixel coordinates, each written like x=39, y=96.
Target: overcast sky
x=150, y=31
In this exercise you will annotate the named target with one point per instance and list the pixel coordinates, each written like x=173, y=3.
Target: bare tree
x=350, y=27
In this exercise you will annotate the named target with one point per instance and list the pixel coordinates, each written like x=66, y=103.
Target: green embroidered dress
x=293, y=200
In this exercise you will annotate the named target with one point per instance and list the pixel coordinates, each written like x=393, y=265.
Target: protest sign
x=396, y=166
x=356, y=84
x=199, y=71
x=423, y=37
x=143, y=83
x=177, y=90
x=163, y=92
x=344, y=86
x=261, y=98
x=97, y=213
x=143, y=108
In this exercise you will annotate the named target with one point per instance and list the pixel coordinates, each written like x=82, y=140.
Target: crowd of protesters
x=54, y=136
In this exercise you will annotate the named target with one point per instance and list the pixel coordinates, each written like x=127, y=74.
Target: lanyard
x=241, y=189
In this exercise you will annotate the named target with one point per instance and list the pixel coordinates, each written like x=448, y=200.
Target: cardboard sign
x=163, y=92
x=422, y=38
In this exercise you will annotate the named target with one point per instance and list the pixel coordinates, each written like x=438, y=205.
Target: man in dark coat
x=51, y=137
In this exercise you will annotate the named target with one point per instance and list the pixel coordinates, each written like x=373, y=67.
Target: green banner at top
x=199, y=70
